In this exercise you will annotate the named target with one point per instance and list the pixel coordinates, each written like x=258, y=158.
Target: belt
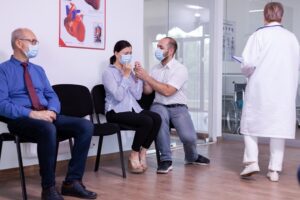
x=174, y=105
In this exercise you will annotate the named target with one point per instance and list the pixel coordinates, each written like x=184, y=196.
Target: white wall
x=124, y=20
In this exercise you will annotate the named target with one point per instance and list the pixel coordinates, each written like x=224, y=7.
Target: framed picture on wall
x=82, y=24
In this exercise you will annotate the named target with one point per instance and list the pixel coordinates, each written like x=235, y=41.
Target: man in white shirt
x=169, y=80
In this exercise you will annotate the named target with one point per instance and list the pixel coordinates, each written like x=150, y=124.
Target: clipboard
x=238, y=59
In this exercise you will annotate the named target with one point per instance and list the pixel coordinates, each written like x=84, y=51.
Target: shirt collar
x=169, y=64
x=16, y=61
x=273, y=24
x=112, y=66
x=115, y=68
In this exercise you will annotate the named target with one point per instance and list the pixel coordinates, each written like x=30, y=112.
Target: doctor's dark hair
x=122, y=44
x=273, y=12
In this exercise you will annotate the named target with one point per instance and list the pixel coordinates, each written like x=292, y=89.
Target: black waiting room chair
x=100, y=110
x=11, y=137
x=8, y=136
x=98, y=93
x=76, y=101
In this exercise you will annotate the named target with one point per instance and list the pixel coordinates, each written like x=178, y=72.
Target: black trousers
x=146, y=125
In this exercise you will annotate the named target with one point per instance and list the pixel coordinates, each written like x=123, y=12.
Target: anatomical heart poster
x=82, y=24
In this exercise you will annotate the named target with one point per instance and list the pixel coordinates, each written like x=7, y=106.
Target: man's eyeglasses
x=33, y=41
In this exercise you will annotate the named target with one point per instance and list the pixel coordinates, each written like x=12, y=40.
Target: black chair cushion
x=126, y=127
x=7, y=137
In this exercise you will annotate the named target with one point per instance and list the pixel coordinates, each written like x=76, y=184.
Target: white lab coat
x=271, y=63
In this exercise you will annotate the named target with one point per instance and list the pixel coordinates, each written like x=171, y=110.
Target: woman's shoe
x=143, y=160
x=134, y=166
x=144, y=164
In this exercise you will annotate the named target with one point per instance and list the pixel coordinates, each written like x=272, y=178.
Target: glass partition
x=189, y=22
x=241, y=19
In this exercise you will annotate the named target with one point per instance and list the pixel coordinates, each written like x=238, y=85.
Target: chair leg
x=57, y=145
x=121, y=154
x=71, y=145
x=157, y=152
x=23, y=184
x=98, y=153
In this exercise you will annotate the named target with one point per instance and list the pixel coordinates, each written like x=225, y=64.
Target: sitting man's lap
x=34, y=128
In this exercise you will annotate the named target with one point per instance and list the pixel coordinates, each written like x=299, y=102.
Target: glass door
x=241, y=19
x=189, y=22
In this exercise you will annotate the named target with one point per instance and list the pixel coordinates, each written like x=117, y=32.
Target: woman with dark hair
x=123, y=89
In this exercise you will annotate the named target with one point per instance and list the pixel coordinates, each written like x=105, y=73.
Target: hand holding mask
x=125, y=61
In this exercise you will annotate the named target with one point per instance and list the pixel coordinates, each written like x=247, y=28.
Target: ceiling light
x=197, y=14
x=255, y=11
x=195, y=7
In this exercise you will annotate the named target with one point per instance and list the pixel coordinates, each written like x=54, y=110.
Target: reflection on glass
x=189, y=23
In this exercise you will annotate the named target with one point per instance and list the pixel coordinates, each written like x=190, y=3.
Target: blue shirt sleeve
x=7, y=108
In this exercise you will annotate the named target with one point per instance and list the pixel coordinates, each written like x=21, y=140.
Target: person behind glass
x=31, y=109
x=123, y=90
x=169, y=81
x=271, y=64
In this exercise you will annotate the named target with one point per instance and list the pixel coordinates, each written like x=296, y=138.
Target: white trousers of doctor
x=276, y=152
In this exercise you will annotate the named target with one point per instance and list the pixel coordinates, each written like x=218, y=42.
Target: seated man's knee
x=48, y=131
x=86, y=126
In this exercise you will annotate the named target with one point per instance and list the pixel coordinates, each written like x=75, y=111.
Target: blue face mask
x=32, y=51
x=159, y=54
x=125, y=59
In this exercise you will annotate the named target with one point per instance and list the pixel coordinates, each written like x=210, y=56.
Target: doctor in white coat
x=271, y=63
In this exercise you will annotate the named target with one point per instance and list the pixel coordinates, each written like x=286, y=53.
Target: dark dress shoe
x=77, y=189
x=51, y=193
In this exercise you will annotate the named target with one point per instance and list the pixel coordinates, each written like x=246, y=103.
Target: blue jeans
x=183, y=124
x=45, y=135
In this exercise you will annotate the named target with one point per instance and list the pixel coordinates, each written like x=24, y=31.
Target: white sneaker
x=273, y=176
x=249, y=170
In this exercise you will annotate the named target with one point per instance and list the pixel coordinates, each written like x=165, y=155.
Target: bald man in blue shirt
x=42, y=122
